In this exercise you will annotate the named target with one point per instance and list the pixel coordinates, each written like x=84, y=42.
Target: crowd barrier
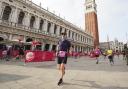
x=14, y=53
x=39, y=56
x=1, y=54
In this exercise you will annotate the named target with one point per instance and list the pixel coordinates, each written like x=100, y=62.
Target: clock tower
x=91, y=22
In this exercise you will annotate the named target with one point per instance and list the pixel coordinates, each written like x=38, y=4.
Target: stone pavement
x=82, y=73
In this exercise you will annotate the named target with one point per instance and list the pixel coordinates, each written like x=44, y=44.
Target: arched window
x=60, y=30
x=21, y=17
x=1, y=39
x=32, y=20
x=49, y=26
x=65, y=31
x=73, y=35
x=41, y=24
x=76, y=36
x=6, y=13
x=29, y=40
x=55, y=27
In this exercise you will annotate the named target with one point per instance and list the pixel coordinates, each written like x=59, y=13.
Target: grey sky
x=112, y=15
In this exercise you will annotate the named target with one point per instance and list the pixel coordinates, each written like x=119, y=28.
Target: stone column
x=70, y=34
x=26, y=21
x=52, y=28
x=63, y=29
x=14, y=16
x=67, y=33
x=58, y=30
x=45, y=26
x=10, y=37
x=42, y=47
x=0, y=9
x=37, y=23
x=50, y=48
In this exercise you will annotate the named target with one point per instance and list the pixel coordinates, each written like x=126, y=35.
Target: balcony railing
x=26, y=28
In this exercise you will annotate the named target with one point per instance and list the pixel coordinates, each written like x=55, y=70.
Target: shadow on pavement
x=92, y=84
x=11, y=77
x=86, y=64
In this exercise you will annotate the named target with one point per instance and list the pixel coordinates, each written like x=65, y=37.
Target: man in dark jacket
x=126, y=52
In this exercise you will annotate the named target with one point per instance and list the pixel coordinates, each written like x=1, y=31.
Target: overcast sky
x=112, y=15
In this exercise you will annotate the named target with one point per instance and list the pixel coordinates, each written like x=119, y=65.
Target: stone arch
x=28, y=46
x=49, y=26
x=29, y=40
x=55, y=28
x=41, y=24
x=60, y=30
x=21, y=17
x=32, y=21
x=1, y=39
x=3, y=36
x=6, y=13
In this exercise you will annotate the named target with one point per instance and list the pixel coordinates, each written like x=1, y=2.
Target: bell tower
x=91, y=22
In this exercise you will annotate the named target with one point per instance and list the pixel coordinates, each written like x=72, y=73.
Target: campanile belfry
x=91, y=22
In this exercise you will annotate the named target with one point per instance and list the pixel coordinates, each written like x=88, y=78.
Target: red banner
x=39, y=56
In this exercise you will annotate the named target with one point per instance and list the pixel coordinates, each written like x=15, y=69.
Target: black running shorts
x=62, y=60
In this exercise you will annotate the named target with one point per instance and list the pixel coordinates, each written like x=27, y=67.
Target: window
x=76, y=36
x=55, y=27
x=88, y=7
x=21, y=17
x=65, y=30
x=72, y=34
x=60, y=30
x=41, y=24
x=6, y=13
x=49, y=26
x=81, y=38
x=32, y=20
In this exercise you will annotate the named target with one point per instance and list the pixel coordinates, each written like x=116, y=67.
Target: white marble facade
x=31, y=21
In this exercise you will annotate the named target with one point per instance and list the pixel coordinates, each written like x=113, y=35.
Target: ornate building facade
x=114, y=45
x=91, y=22
x=24, y=21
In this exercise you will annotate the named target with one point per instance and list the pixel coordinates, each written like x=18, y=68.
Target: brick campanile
x=91, y=22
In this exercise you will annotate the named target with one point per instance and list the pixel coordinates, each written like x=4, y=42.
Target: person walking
x=110, y=56
x=21, y=53
x=105, y=54
x=97, y=54
x=62, y=55
x=118, y=53
x=126, y=53
x=9, y=50
x=4, y=54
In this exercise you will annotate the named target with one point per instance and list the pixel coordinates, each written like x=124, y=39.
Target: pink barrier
x=14, y=53
x=39, y=56
x=1, y=54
